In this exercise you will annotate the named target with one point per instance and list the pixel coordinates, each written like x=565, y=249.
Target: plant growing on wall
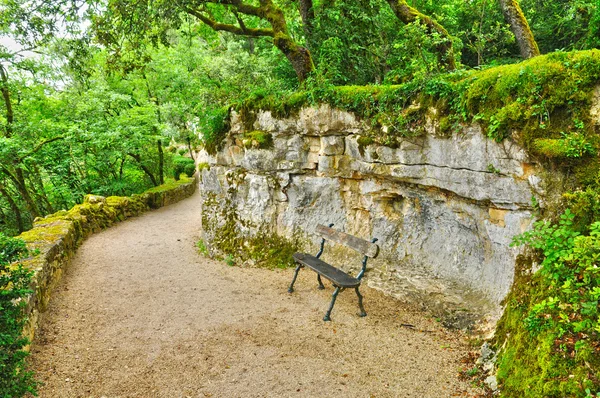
x=556, y=322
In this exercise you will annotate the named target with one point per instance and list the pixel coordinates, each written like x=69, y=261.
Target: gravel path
x=140, y=314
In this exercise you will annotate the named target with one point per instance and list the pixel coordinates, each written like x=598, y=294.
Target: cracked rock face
x=444, y=208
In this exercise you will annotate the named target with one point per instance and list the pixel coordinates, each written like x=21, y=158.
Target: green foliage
x=202, y=248
x=416, y=56
x=542, y=96
x=547, y=97
x=15, y=380
x=553, y=316
x=573, y=145
x=569, y=25
x=183, y=165
x=215, y=129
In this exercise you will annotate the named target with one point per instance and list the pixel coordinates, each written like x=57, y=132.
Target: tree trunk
x=408, y=14
x=189, y=144
x=520, y=28
x=161, y=161
x=15, y=209
x=307, y=13
x=7, y=103
x=18, y=180
x=299, y=56
x=36, y=179
x=145, y=169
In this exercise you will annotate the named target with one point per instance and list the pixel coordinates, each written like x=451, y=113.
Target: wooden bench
x=338, y=278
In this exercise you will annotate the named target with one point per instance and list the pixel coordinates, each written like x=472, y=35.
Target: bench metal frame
x=369, y=249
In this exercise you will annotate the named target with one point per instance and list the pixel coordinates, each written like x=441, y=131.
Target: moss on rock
x=228, y=236
x=257, y=139
x=541, y=97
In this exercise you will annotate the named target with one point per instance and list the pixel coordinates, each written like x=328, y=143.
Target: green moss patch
x=170, y=185
x=230, y=237
x=257, y=139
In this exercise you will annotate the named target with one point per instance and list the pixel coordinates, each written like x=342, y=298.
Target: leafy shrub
x=555, y=343
x=15, y=380
x=202, y=249
x=215, y=127
x=183, y=165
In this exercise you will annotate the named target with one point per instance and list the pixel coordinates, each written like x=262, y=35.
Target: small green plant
x=229, y=260
x=15, y=379
x=214, y=129
x=563, y=313
x=590, y=394
x=492, y=169
x=202, y=247
x=576, y=145
x=472, y=372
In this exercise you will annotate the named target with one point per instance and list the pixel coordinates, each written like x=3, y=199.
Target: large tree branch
x=217, y=26
x=307, y=13
x=7, y=103
x=520, y=27
x=299, y=56
x=145, y=169
x=241, y=7
x=39, y=146
x=408, y=14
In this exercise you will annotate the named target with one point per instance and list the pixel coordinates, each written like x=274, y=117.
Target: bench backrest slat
x=362, y=246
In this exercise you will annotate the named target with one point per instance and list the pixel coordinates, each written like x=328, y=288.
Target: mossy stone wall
x=55, y=238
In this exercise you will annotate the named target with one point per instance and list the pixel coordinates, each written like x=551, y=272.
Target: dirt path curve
x=140, y=314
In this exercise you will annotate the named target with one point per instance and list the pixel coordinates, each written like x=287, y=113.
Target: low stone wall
x=55, y=238
x=444, y=207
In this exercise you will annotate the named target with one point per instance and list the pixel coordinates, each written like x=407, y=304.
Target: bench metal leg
x=327, y=316
x=360, y=303
x=291, y=288
x=321, y=286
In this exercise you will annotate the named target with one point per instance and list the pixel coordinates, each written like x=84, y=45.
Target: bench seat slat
x=362, y=246
x=338, y=277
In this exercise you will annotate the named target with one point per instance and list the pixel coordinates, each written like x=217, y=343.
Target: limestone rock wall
x=444, y=208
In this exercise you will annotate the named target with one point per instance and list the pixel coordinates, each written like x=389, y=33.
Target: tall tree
x=520, y=28
x=307, y=13
x=408, y=14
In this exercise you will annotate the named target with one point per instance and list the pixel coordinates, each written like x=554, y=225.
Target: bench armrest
x=364, y=263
